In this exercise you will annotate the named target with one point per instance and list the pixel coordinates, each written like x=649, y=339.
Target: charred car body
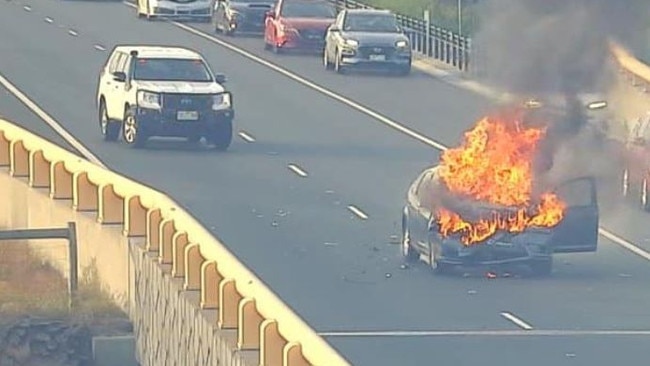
x=575, y=221
x=421, y=237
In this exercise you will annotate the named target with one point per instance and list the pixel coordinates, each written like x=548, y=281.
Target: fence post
x=73, y=255
x=427, y=32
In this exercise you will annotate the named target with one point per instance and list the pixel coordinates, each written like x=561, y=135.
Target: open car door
x=578, y=231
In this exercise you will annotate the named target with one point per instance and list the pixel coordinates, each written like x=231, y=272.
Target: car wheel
x=110, y=129
x=221, y=136
x=337, y=63
x=645, y=205
x=542, y=268
x=326, y=60
x=131, y=132
x=410, y=255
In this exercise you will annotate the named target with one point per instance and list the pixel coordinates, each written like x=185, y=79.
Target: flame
x=494, y=165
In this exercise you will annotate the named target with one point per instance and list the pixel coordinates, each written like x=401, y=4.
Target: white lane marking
x=49, y=20
x=357, y=211
x=624, y=243
x=56, y=126
x=99, y=47
x=27, y=8
x=379, y=117
x=246, y=136
x=520, y=323
x=483, y=333
x=298, y=170
x=73, y=32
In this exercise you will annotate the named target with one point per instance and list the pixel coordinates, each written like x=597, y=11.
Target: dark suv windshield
x=308, y=10
x=168, y=69
x=371, y=23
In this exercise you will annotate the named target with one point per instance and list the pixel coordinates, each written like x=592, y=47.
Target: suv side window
x=340, y=18
x=112, y=63
x=122, y=63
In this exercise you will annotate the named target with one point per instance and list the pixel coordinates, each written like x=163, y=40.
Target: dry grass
x=30, y=287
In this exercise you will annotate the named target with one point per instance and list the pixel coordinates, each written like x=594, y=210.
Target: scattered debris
x=490, y=275
x=328, y=244
x=471, y=292
x=395, y=239
x=388, y=275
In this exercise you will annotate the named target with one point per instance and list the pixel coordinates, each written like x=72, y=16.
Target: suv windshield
x=168, y=69
x=308, y=10
x=371, y=23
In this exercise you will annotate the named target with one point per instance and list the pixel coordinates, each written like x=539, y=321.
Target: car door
x=331, y=38
x=636, y=146
x=270, y=23
x=578, y=230
x=219, y=14
x=420, y=210
x=111, y=87
x=119, y=89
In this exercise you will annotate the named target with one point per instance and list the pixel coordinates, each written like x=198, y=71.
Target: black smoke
x=554, y=46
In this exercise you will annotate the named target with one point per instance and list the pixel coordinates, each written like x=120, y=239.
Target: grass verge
x=30, y=287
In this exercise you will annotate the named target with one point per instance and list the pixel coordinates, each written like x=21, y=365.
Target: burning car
x=489, y=202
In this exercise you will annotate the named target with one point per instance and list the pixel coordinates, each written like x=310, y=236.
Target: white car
x=147, y=91
x=185, y=9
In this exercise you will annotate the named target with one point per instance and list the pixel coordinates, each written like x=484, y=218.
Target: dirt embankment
x=37, y=327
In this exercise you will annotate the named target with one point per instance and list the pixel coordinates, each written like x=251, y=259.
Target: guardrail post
x=249, y=321
x=427, y=33
x=39, y=170
x=210, y=280
x=193, y=263
x=4, y=150
x=293, y=356
x=18, y=159
x=73, y=255
x=60, y=182
x=229, y=300
x=271, y=343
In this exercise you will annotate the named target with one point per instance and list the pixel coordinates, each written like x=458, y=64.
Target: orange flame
x=494, y=165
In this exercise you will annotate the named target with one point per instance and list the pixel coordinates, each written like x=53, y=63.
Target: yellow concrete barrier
x=245, y=304
x=637, y=70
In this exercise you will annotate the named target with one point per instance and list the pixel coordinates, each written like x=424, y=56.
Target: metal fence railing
x=427, y=39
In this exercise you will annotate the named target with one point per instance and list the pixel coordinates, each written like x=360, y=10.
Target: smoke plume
x=554, y=46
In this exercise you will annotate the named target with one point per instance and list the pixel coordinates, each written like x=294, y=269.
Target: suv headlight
x=148, y=100
x=221, y=101
x=401, y=44
x=351, y=42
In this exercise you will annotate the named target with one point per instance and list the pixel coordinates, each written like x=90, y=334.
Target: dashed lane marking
x=518, y=321
x=298, y=170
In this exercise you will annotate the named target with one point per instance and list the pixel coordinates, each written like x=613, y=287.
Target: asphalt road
x=341, y=273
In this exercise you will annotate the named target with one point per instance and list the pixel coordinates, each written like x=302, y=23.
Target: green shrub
x=443, y=13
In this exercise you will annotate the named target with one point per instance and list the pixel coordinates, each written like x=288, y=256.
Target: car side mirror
x=270, y=14
x=119, y=76
x=334, y=29
x=220, y=78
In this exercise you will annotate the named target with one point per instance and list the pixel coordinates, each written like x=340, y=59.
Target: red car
x=636, y=173
x=298, y=24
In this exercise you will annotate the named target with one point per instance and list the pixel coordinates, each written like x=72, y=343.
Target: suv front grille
x=187, y=102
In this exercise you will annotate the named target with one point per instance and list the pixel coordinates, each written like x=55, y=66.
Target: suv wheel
x=110, y=129
x=220, y=136
x=130, y=131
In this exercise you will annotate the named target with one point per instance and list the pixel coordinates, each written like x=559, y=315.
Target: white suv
x=193, y=9
x=147, y=91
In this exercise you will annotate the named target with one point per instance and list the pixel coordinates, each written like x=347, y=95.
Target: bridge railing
x=262, y=321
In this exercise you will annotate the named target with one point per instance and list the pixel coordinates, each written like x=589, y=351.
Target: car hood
x=181, y=87
x=308, y=23
x=375, y=37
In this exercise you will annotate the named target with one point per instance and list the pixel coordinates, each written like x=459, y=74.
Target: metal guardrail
x=69, y=233
x=427, y=39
